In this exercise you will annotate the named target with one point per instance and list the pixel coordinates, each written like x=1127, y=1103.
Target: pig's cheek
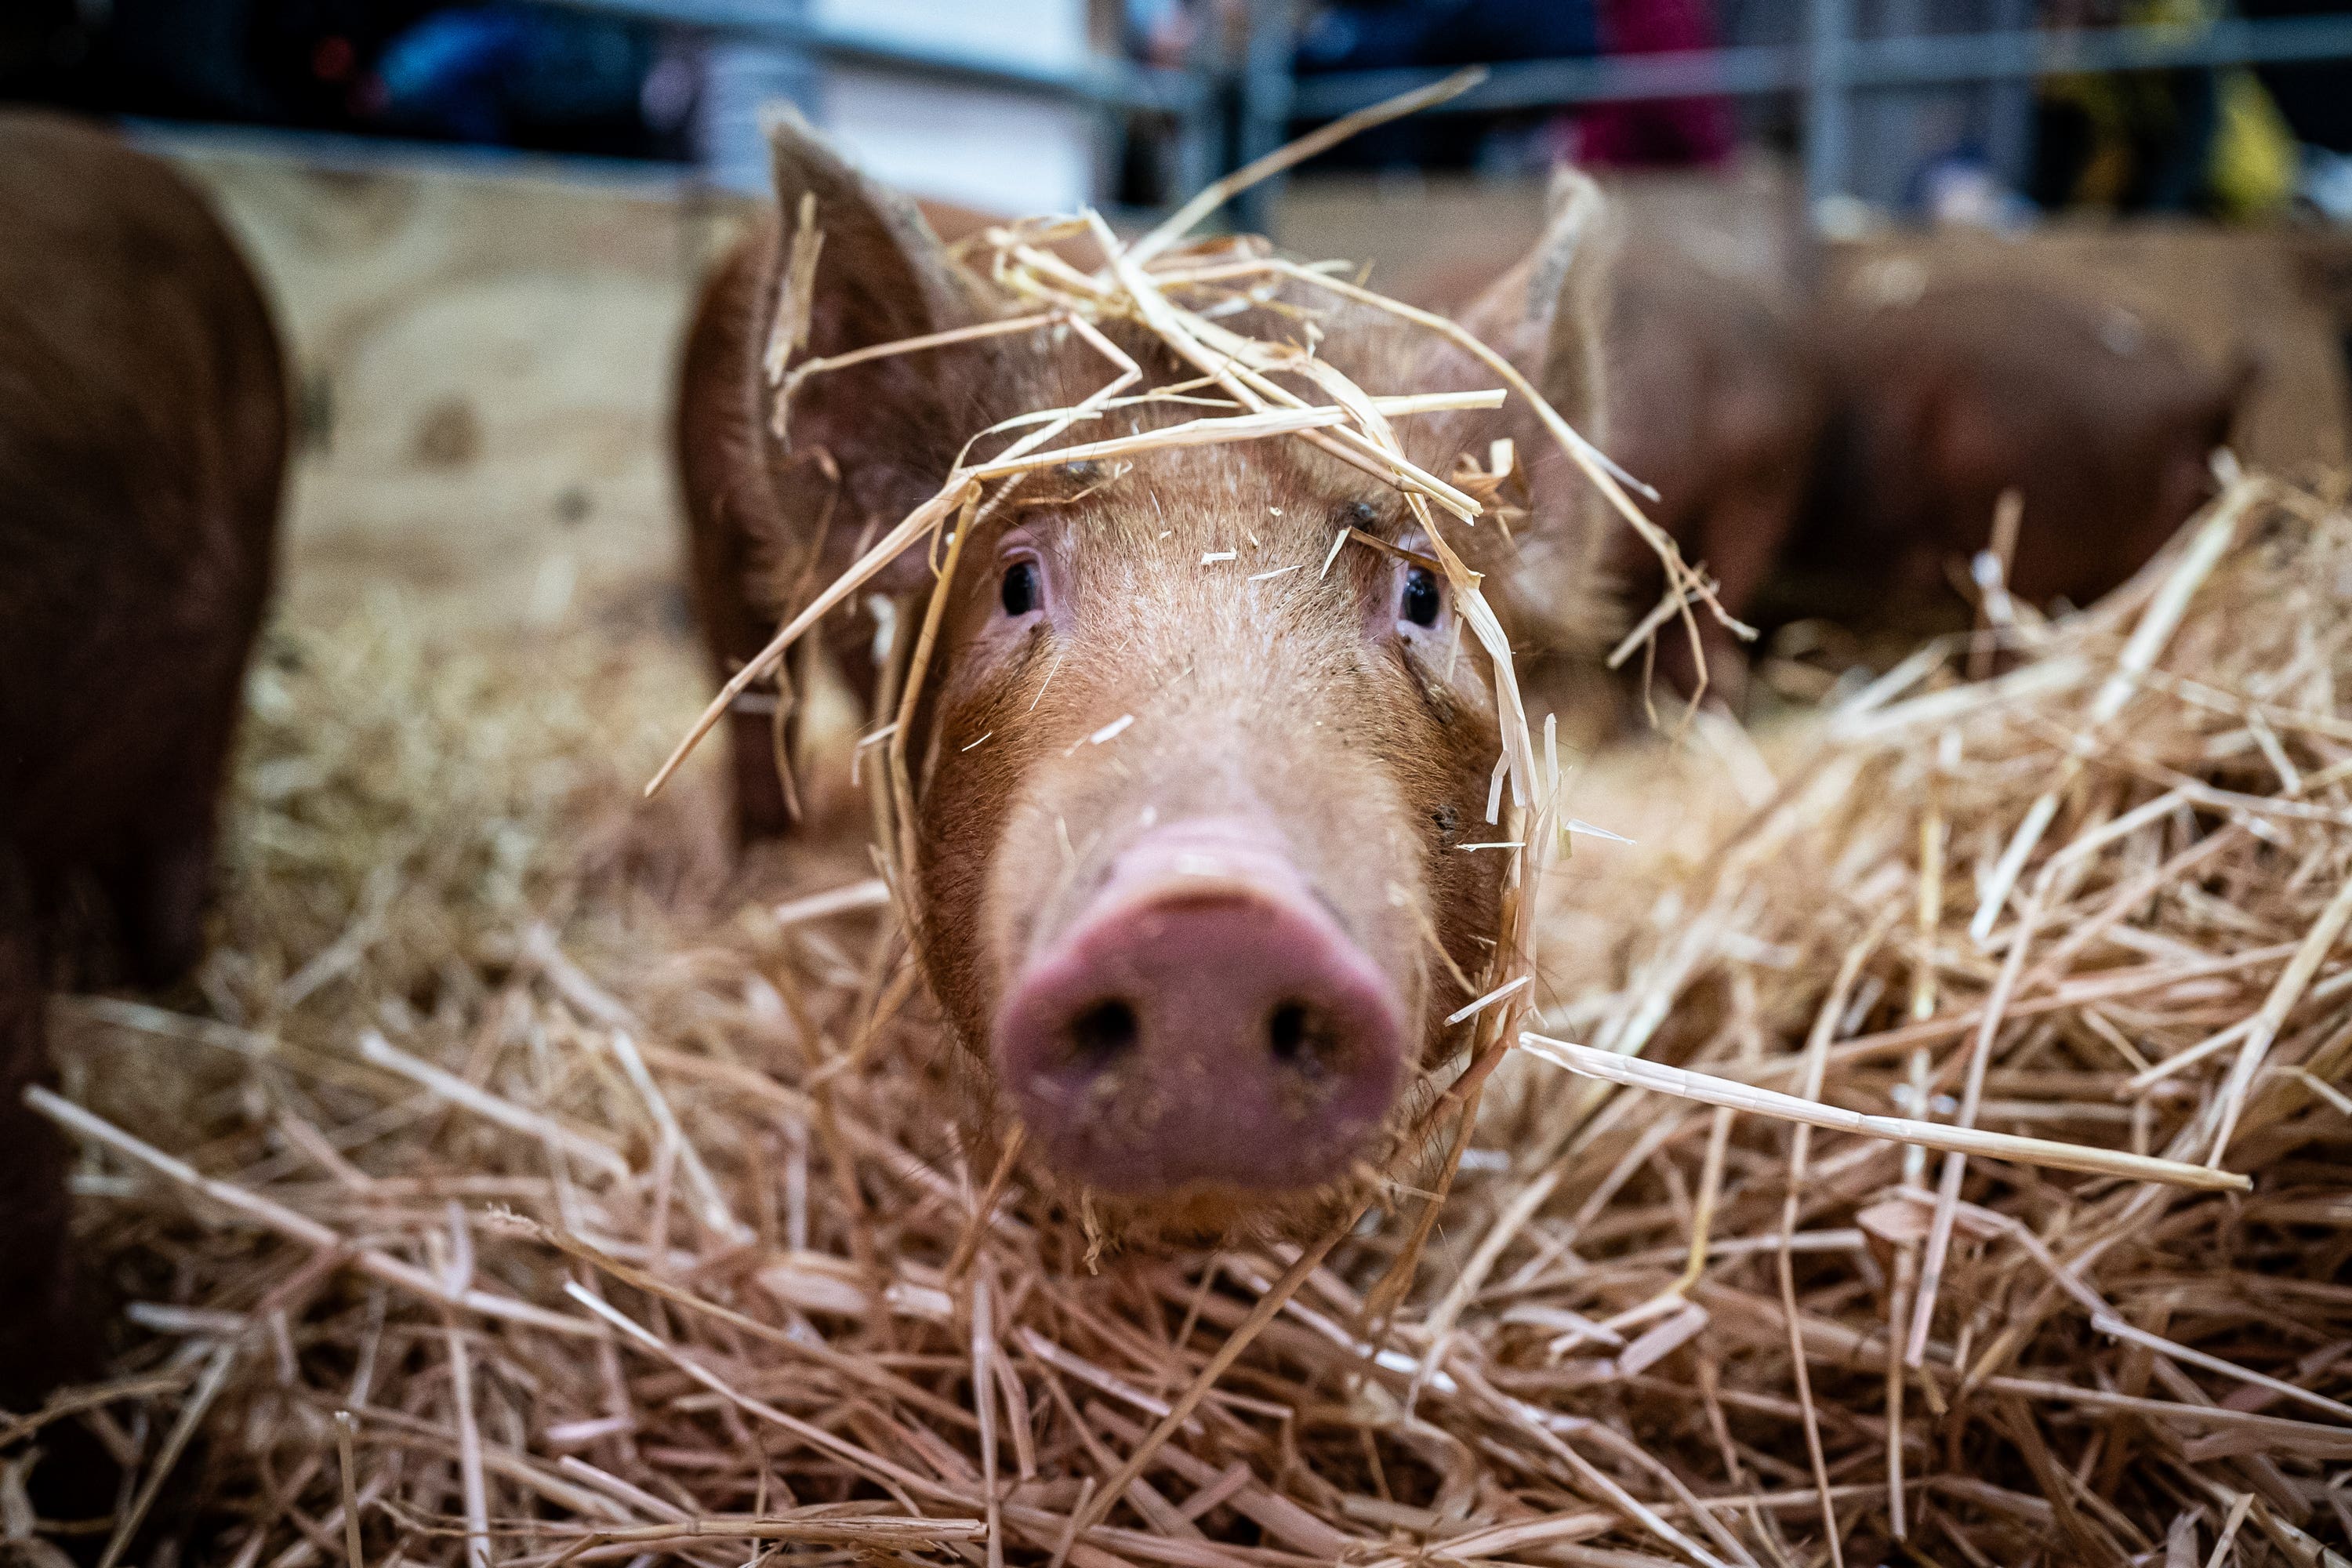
x=1020, y=883
x=967, y=801
x=1000, y=645
x=1447, y=681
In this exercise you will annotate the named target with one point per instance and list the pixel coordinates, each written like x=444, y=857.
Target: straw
x=1598, y=1324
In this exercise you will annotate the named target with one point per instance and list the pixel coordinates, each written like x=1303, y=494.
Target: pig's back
x=1709, y=380
x=2061, y=391
x=718, y=435
x=733, y=533
x=142, y=443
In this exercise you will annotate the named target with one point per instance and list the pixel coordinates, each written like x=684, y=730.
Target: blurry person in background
x=2204, y=142
x=534, y=76
x=41, y=41
x=528, y=75
x=1386, y=34
x=1671, y=132
x=2314, y=98
x=1353, y=35
x=267, y=62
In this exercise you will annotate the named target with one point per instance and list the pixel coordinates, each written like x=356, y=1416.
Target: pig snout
x=1201, y=1020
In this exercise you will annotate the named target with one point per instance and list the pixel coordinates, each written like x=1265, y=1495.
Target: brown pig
x=142, y=442
x=1190, y=882
x=1716, y=400
x=1947, y=398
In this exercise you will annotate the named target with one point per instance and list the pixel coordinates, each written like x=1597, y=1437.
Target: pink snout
x=1206, y=1022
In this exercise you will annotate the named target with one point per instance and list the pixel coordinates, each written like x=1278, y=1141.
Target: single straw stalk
x=1632, y=1072
x=1180, y=222
x=1817, y=1045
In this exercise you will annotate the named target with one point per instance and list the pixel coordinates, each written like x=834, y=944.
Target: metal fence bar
x=1994, y=57
x=1828, y=69
x=1868, y=63
x=1828, y=105
x=1263, y=113
x=1739, y=70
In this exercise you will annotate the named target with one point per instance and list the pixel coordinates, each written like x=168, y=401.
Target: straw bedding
x=520, y=1184
x=508, y=1181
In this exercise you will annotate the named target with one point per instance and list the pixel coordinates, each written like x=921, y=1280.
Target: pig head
x=1192, y=793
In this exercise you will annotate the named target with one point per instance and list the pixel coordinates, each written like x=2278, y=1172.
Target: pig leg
x=1674, y=666
x=737, y=624
x=734, y=629
x=48, y=1330
x=162, y=878
x=160, y=895
x=760, y=809
x=1727, y=663
x=43, y=1341
x=1741, y=536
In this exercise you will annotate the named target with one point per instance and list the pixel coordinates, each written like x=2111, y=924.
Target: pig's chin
x=1201, y=1037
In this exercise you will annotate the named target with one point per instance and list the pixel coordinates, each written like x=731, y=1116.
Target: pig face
x=1193, y=820
x=1193, y=792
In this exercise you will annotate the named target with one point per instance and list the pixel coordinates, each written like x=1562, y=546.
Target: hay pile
x=2096, y=898
x=493, y=1198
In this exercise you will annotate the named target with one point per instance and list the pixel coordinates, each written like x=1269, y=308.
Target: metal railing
x=1938, y=59
x=1243, y=107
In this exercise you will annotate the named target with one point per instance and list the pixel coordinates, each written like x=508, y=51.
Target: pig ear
x=881, y=274
x=877, y=438
x=1577, y=253
x=1546, y=314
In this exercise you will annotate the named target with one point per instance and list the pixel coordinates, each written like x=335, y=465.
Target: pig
x=1189, y=875
x=1949, y=394
x=1716, y=400
x=142, y=447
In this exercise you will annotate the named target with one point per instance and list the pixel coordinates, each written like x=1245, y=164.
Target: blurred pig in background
x=1948, y=395
x=1716, y=400
x=143, y=448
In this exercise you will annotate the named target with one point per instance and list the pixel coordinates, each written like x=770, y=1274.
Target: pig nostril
x=1102, y=1034
x=1301, y=1037
x=1287, y=1030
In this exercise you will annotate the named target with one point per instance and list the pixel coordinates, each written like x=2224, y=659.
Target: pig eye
x=1422, y=599
x=1020, y=592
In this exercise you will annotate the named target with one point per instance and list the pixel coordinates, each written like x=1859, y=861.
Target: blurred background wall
x=484, y=221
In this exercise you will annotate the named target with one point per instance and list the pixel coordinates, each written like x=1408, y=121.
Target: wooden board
x=486, y=364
